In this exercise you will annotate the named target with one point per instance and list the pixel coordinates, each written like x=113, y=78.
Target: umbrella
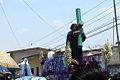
x=7, y=61
x=31, y=78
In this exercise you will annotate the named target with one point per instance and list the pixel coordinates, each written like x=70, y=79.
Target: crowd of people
x=78, y=73
x=75, y=72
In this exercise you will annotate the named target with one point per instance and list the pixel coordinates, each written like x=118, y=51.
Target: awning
x=7, y=61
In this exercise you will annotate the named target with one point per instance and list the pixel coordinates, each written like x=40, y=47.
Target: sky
x=45, y=23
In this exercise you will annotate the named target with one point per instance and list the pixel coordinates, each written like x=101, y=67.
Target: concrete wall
x=115, y=57
x=114, y=64
x=18, y=55
x=34, y=62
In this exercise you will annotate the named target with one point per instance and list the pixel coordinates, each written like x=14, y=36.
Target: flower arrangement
x=67, y=54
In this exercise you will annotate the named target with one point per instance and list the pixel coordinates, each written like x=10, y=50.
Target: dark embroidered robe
x=73, y=39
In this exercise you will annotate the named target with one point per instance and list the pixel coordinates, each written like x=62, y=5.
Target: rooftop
x=35, y=48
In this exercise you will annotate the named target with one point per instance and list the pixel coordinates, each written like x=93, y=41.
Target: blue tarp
x=4, y=69
x=31, y=78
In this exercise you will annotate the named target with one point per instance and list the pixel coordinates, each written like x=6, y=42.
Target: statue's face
x=74, y=28
x=25, y=60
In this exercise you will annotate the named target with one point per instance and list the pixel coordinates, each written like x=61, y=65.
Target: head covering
x=50, y=55
x=25, y=61
x=25, y=68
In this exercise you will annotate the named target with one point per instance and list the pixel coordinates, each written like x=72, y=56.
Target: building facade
x=33, y=55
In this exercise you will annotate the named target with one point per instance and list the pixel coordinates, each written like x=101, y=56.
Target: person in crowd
x=87, y=74
x=73, y=66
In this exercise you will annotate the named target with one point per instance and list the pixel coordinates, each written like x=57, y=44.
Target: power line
x=64, y=43
x=48, y=43
x=101, y=31
x=94, y=7
x=63, y=26
x=91, y=35
x=46, y=23
x=99, y=19
x=9, y=25
x=51, y=41
x=55, y=30
x=101, y=13
x=100, y=27
x=67, y=23
x=55, y=41
x=58, y=46
x=49, y=34
x=37, y=14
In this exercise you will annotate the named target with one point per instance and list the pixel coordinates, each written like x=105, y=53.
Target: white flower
x=67, y=54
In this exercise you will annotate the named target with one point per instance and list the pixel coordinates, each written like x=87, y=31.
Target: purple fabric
x=56, y=66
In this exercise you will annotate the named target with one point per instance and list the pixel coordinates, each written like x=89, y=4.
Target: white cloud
x=1, y=1
x=57, y=23
x=23, y=30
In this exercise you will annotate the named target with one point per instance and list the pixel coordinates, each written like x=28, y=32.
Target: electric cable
x=63, y=26
x=10, y=26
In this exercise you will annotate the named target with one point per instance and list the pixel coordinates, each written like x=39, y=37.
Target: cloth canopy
x=7, y=61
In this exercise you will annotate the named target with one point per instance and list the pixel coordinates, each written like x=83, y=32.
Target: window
x=37, y=71
x=32, y=70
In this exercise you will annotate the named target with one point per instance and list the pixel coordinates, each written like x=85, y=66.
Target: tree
x=106, y=53
x=67, y=54
x=41, y=54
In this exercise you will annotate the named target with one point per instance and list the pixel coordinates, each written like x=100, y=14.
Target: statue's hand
x=81, y=31
x=75, y=32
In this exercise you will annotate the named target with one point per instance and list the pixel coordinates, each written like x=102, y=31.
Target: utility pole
x=116, y=27
x=113, y=33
